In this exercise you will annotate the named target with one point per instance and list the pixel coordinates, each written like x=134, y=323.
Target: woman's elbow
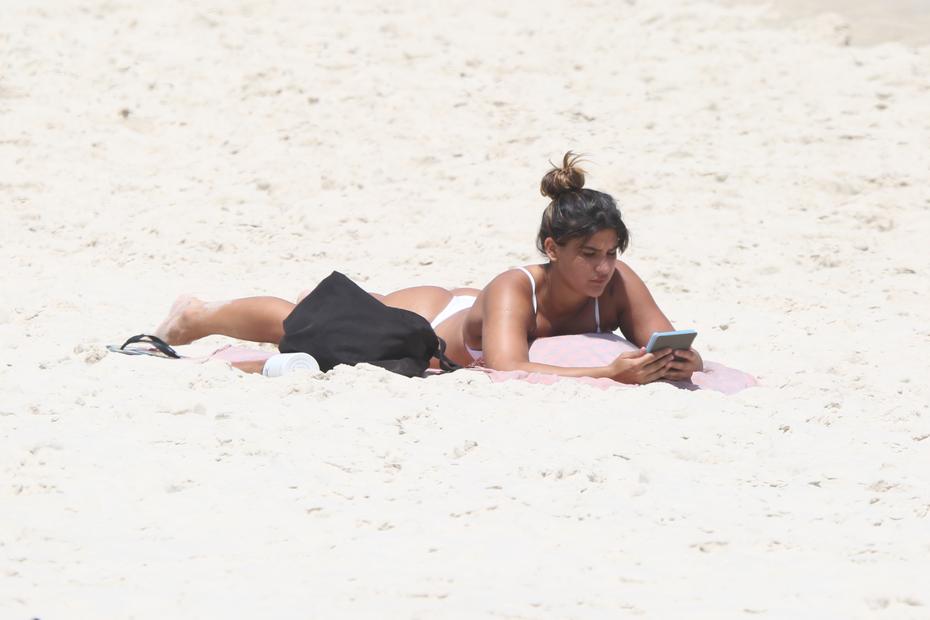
x=504, y=363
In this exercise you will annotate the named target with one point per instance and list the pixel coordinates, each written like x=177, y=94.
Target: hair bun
x=568, y=178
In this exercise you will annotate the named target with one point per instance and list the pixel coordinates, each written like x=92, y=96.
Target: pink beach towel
x=231, y=353
x=601, y=349
x=571, y=351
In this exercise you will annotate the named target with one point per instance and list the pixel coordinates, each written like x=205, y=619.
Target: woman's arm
x=638, y=313
x=508, y=322
x=639, y=316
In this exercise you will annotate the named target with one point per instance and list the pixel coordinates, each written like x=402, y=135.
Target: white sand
x=866, y=22
x=776, y=183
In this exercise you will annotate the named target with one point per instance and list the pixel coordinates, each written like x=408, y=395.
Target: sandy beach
x=865, y=22
x=775, y=180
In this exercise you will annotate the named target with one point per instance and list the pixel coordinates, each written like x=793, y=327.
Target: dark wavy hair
x=574, y=211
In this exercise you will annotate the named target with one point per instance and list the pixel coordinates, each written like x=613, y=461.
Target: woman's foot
x=178, y=326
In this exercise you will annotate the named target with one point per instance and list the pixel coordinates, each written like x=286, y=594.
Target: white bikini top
x=597, y=308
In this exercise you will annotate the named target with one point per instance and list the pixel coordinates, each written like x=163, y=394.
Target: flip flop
x=158, y=348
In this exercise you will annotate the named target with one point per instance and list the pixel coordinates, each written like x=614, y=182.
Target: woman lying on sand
x=583, y=288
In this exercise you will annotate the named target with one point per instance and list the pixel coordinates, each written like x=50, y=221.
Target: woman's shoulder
x=623, y=274
x=625, y=286
x=514, y=281
x=519, y=275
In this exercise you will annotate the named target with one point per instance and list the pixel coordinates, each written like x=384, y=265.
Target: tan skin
x=578, y=271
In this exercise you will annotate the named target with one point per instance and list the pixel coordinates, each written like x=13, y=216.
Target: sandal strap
x=155, y=341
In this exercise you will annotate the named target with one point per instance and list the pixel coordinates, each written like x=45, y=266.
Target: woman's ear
x=552, y=249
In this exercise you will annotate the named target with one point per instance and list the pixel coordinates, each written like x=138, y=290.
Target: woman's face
x=587, y=264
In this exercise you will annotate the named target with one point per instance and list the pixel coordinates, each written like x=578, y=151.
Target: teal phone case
x=680, y=339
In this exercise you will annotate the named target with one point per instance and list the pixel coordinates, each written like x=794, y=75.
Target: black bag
x=339, y=323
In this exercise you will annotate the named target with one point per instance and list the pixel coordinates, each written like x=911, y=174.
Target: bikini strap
x=597, y=306
x=532, y=284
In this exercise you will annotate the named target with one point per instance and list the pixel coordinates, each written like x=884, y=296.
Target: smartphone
x=681, y=339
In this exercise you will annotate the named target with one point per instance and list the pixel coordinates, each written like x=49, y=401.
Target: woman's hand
x=684, y=363
x=641, y=367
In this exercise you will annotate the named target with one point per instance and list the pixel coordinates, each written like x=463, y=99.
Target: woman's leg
x=307, y=291
x=259, y=319
x=427, y=301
